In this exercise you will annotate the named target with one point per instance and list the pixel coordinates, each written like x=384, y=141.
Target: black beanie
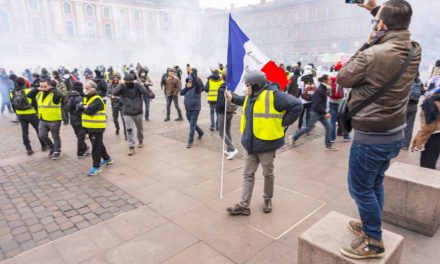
x=78, y=86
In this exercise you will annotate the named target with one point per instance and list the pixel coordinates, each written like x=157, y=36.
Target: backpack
x=20, y=101
x=309, y=91
x=336, y=91
x=62, y=88
x=415, y=91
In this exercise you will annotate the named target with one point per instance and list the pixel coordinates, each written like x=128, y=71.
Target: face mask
x=143, y=74
x=130, y=85
x=85, y=91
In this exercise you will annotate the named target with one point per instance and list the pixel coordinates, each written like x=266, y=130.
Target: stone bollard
x=322, y=242
x=412, y=198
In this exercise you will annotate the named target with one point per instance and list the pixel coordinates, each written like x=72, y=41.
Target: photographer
x=379, y=126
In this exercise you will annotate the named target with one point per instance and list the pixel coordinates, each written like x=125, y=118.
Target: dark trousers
x=175, y=99
x=147, y=107
x=98, y=148
x=429, y=156
x=411, y=113
x=64, y=112
x=44, y=128
x=25, y=131
x=116, y=111
x=192, y=117
x=305, y=111
x=80, y=133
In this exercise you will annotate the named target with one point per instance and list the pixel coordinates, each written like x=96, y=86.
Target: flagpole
x=223, y=149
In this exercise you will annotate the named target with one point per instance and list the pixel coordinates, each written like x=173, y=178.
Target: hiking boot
x=232, y=154
x=167, y=119
x=238, y=210
x=141, y=144
x=50, y=153
x=44, y=148
x=29, y=152
x=356, y=227
x=106, y=162
x=94, y=171
x=117, y=132
x=200, y=136
x=84, y=155
x=130, y=151
x=364, y=247
x=189, y=145
x=56, y=155
x=267, y=207
x=178, y=119
x=330, y=148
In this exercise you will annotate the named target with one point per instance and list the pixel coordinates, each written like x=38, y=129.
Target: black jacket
x=101, y=84
x=293, y=88
x=92, y=109
x=319, y=100
x=132, y=98
x=282, y=101
x=73, y=106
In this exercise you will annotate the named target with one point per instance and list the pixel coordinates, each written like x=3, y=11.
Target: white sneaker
x=226, y=152
x=232, y=154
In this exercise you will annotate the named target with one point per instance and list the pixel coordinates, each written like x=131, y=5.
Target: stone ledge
x=412, y=198
x=322, y=242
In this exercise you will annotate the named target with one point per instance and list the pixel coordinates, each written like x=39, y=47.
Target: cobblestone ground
x=212, y=141
x=42, y=200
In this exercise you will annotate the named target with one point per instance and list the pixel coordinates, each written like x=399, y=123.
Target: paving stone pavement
x=42, y=200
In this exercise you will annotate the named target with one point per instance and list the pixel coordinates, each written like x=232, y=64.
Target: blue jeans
x=214, y=120
x=315, y=117
x=192, y=117
x=147, y=107
x=334, y=112
x=367, y=166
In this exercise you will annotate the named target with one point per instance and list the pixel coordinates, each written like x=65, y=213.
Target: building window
x=36, y=27
x=316, y=12
x=151, y=33
x=358, y=26
x=280, y=18
x=306, y=14
x=315, y=30
x=138, y=33
x=137, y=16
x=306, y=30
x=325, y=29
x=108, y=31
x=165, y=17
x=297, y=15
x=150, y=16
x=122, y=14
x=67, y=9
x=166, y=33
x=124, y=34
x=288, y=17
x=89, y=11
x=296, y=32
x=346, y=28
x=326, y=11
x=106, y=12
x=33, y=4
x=4, y=22
x=69, y=29
x=92, y=30
x=338, y=11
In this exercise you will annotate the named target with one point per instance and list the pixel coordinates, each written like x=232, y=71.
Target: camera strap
x=385, y=89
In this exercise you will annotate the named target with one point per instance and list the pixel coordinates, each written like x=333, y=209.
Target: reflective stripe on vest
x=213, y=90
x=97, y=120
x=31, y=111
x=267, y=121
x=47, y=109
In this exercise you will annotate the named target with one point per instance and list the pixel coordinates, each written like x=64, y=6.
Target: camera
x=354, y=1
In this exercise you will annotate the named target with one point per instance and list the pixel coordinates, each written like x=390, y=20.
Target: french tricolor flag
x=243, y=57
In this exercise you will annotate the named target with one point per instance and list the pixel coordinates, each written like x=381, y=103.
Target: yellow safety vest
x=97, y=120
x=47, y=109
x=267, y=121
x=31, y=111
x=213, y=90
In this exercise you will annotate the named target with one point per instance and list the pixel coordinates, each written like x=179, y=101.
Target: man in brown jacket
x=172, y=88
x=378, y=128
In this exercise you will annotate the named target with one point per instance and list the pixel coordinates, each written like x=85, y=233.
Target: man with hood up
x=102, y=85
x=211, y=87
x=130, y=92
x=73, y=106
x=145, y=80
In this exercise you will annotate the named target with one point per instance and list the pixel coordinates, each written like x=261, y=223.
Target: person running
x=25, y=109
x=130, y=92
x=74, y=100
x=318, y=112
x=263, y=128
x=230, y=151
x=49, y=112
x=94, y=121
x=192, y=102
